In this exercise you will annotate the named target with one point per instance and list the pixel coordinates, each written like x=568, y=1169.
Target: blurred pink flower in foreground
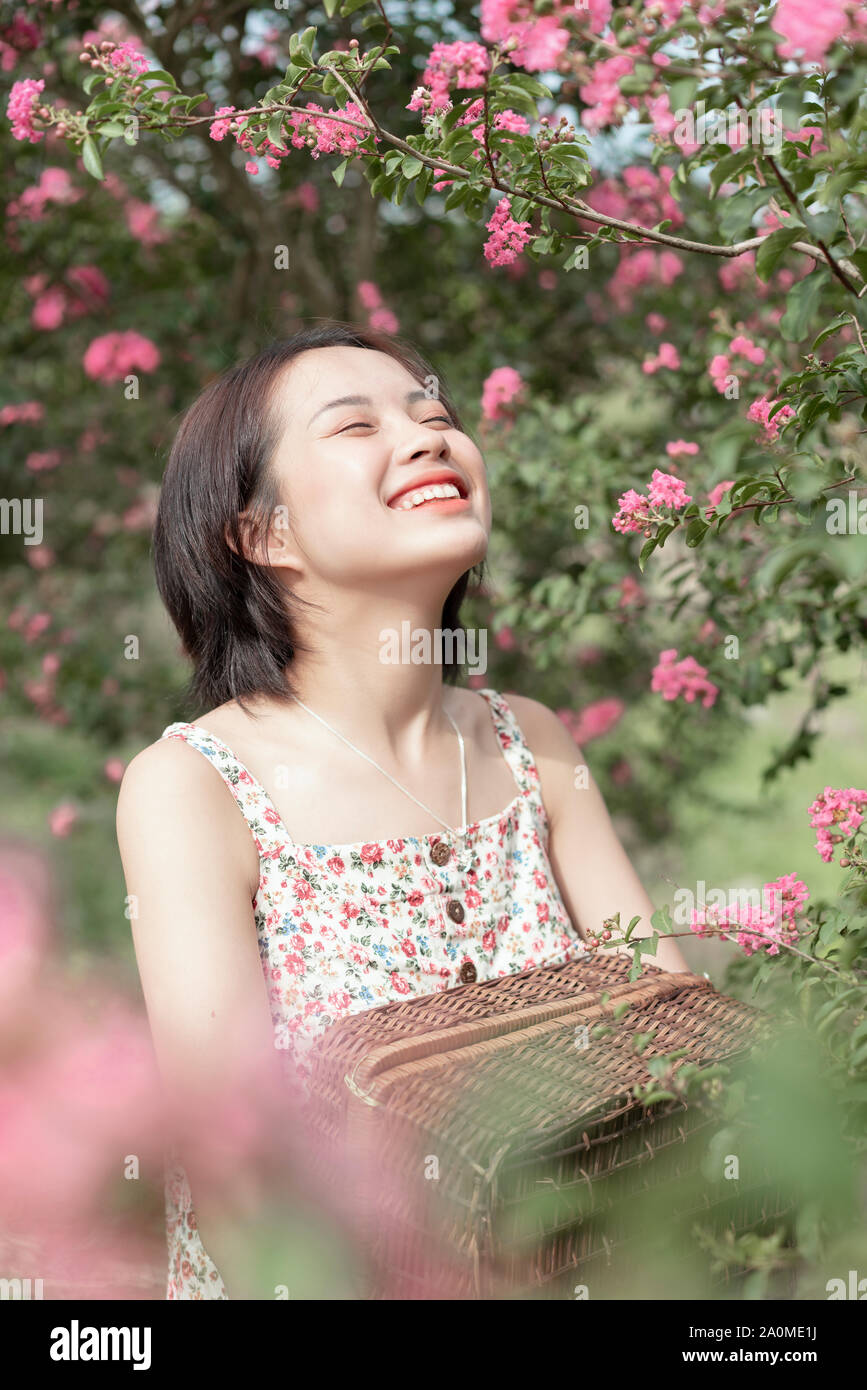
x=593, y=721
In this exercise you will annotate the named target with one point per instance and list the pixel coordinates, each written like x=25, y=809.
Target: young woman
x=398, y=835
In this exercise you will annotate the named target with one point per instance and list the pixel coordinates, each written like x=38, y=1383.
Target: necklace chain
x=400, y=787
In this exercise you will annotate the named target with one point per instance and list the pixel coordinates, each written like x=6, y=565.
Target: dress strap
x=255, y=804
x=516, y=750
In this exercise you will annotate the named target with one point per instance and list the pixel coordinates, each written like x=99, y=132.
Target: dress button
x=455, y=910
x=468, y=973
x=440, y=852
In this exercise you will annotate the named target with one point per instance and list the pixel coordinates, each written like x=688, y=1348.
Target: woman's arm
x=593, y=871
x=191, y=866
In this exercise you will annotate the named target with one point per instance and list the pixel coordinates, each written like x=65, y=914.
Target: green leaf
x=646, y=551
x=112, y=129
x=275, y=129
x=339, y=173
x=695, y=532
x=91, y=81
x=803, y=302
x=307, y=40
x=772, y=250
x=90, y=156
x=411, y=166
x=833, y=327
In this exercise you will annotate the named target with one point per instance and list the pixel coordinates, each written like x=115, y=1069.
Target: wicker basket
x=498, y=1150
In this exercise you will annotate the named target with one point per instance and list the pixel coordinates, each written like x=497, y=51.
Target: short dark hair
x=234, y=618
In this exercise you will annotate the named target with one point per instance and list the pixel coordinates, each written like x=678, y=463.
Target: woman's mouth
x=442, y=496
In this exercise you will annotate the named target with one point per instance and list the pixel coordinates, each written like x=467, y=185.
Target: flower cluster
x=500, y=388
x=834, y=815
x=686, y=677
x=593, y=721
x=756, y=928
x=636, y=511
x=21, y=109
x=116, y=355
x=667, y=356
x=507, y=238
x=760, y=411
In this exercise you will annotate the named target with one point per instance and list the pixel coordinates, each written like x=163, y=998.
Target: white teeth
x=428, y=494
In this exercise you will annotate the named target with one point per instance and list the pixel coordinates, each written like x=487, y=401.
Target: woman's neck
x=374, y=670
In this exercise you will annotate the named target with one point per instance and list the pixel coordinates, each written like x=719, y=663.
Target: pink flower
x=42, y=462
x=745, y=347
x=630, y=591
x=371, y=854
x=668, y=491
x=667, y=356
x=500, y=388
x=633, y=512
x=835, y=813
x=760, y=410
x=384, y=321
x=601, y=95
x=23, y=411
x=143, y=222
x=62, y=819
x=809, y=29
x=459, y=64
x=222, y=124
x=677, y=448
x=23, y=100
x=686, y=677
x=507, y=238
x=116, y=355
x=126, y=58
x=114, y=769
x=718, y=371
x=505, y=639
x=593, y=721
x=768, y=927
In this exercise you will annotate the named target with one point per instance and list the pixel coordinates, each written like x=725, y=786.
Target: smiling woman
x=396, y=837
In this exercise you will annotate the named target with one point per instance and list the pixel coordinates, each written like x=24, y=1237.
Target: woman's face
x=377, y=489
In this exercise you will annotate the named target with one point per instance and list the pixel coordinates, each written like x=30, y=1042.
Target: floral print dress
x=343, y=928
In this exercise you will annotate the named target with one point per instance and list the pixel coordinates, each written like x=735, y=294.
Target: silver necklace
x=452, y=831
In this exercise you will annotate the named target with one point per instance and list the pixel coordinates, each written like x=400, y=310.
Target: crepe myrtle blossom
x=507, y=238
x=678, y=448
x=760, y=410
x=636, y=511
x=593, y=721
x=24, y=101
x=809, y=30
x=24, y=412
x=757, y=928
x=745, y=347
x=536, y=42
x=451, y=65
x=500, y=388
x=834, y=815
x=115, y=355
x=666, y=357
x=672, y=678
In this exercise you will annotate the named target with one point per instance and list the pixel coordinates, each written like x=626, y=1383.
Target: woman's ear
x=272, y=548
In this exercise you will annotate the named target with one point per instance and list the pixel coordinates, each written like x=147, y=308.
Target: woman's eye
x=365, y=424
